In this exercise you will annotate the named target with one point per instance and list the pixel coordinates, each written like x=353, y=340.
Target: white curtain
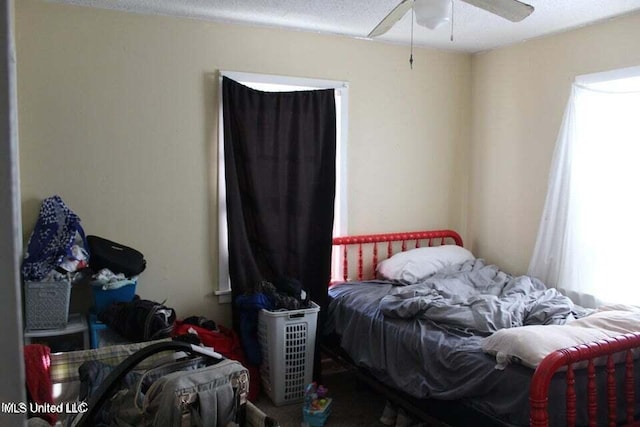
x=590, y=227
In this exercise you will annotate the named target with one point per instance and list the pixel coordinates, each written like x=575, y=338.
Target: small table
x=77, y=323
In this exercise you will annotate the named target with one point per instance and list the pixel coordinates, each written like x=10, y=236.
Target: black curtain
x=280, y=154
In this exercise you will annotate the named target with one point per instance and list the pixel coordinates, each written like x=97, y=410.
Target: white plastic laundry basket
x=287, y=341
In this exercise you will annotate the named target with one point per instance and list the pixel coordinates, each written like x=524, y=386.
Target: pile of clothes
x=284, y=294
x=57, y=245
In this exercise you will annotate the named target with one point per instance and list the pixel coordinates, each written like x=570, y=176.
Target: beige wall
x=118, y=116
x=518, y=99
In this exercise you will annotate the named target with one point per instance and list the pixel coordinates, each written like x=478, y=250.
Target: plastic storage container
x=317, y=418
x=75, y=336
x=47, y=304
x=287, y=341
x=103, y=298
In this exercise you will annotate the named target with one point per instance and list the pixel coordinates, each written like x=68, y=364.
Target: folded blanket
x=530, y=344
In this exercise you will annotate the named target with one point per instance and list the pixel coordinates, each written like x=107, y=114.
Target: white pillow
x=417, y=264
x=530, y=344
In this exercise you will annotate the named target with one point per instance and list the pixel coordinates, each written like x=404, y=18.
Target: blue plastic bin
x=317, y=418
x=103, y=298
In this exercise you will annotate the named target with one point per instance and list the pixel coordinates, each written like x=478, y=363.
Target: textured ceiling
x=474, y=30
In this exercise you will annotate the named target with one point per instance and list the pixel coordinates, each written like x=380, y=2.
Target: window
x=271, y=83
x=590, y=226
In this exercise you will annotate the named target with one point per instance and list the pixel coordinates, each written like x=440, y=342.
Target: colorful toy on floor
x=317, y=405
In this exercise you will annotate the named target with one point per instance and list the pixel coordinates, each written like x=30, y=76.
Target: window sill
x=224, y=296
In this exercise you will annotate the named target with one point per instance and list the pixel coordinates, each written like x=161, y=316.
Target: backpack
x=208, y=396
x=204, y=391
x=226, y=342
x=51, y=239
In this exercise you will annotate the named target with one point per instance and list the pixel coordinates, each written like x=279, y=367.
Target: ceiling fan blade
x=513, y=10
x=394, y=16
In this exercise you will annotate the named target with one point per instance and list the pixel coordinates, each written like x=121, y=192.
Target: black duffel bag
x=114, y=256
x=140, y=319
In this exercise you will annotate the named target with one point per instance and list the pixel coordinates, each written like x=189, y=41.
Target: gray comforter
x=427, y=359
x=478, y=298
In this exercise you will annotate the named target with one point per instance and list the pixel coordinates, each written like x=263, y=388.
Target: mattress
x=426, y=360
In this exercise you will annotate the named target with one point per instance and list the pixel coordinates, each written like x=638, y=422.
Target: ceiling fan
x=431, y=13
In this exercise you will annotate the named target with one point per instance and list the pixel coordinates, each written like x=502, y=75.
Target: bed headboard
x=366, y=251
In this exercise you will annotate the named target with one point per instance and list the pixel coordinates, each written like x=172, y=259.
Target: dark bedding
x=440, y=357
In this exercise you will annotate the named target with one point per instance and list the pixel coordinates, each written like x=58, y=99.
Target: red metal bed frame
x=364, y=251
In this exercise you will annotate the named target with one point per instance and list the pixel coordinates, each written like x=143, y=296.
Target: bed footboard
x=588, y=353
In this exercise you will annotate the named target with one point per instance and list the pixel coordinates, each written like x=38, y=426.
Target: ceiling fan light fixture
x=432, y=13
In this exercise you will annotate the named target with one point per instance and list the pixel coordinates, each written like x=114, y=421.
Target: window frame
x=302, y=83
x=607, y=76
